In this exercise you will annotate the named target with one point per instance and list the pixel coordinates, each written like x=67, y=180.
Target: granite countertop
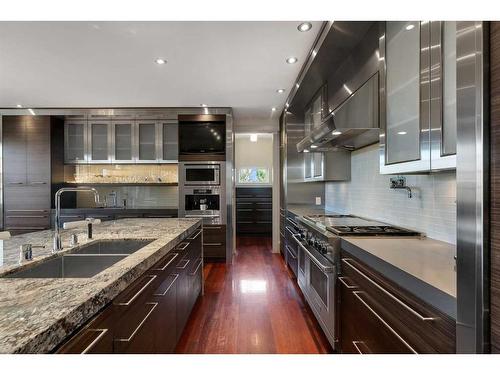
x=423, y=266
x=37, y=314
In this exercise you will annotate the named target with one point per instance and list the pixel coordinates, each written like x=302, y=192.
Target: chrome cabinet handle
x=357, y=295
x=291, y=232
x=324, y=268
x=291, y=252
x=212, y=228
x=185, y=264
x=195, y=236
x=175, y=255
x=152, y=277
x=96, y=340
x=38, y=183
x=169, y=286
x=25, y=216
x=342, y=280
x=153, y=307
x=389, y=294
x=357, y=345
x=27, y=210
x=197, y=268
x=182, y=246
x=244, y=209
x=213, y=244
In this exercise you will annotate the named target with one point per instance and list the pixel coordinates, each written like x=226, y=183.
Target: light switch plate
x=318, y=201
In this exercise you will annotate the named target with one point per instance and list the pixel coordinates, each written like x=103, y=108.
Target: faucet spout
x=57, y=243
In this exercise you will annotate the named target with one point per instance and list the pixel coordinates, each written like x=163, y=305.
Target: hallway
x=252, y=306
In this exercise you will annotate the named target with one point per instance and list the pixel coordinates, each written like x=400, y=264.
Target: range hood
x=352, y=125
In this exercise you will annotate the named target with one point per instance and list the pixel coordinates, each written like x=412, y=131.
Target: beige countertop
x=427, y=262
x=37, y=314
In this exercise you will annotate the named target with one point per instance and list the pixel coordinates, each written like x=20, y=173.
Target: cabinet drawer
x=423, y=327
x=214, y=234
x=31, y=221
x=214, y=250
x=140, y=289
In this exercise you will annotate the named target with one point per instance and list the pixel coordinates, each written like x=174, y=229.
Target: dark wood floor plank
x=252, y=306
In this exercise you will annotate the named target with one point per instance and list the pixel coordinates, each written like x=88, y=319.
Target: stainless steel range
x=318, y=255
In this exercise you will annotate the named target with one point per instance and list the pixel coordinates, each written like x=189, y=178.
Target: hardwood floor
x=252, y=306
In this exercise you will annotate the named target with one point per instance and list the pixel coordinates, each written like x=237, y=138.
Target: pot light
x=19, y=106
x=204, y=105
x=253, y=137
x=410, y=26
x=292, y=60
x=336, y=132
x=401, y=133
x=304, y=26
x=273, y=109
x=160, y=61
x=280, y=91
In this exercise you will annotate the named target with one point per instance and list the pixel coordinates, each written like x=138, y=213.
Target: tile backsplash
x=120, y=173
x=136, y=196
x=431, y=210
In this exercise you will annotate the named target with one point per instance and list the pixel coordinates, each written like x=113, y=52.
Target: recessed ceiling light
x=273, y=109
x=280, y=91
x=204, y=105
x=253, y=137
x=336, y=132
x=160, y=61
x=287, y=105
x=410, y=26
x=291, y=60
x=304, y=26
x=19, y=106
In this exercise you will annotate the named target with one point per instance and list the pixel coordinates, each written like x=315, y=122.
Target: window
x=253, y=175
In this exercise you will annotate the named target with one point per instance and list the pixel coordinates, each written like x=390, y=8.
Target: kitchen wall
x=136, y=196
x=254, y=154
x=432, y=210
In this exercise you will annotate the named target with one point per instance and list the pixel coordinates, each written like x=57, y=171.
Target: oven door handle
x=324, y=268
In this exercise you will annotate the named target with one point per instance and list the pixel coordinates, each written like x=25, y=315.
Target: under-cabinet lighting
x=349, y=91
x=410, y=27
x=336, y=132
x=314, y=146
x=204, y=105
x=31, y=111
x=306, y=150
x=253, y=137
x=401, y=133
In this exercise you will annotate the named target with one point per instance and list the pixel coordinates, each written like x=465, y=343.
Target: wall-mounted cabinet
x=98, y=141
x=417, y=97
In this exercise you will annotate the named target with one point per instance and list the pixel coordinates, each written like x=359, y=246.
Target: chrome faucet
x=57, y=243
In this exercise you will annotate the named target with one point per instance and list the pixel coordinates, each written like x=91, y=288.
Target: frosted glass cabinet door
x=123, y=141
x=317, y=165
x=307, y=165
x=99, y=141
x=170, y=141
x=402, y=51
x=147, y=140
x=75, y=141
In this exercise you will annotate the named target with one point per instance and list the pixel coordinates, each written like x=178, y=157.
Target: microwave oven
x=199, y=174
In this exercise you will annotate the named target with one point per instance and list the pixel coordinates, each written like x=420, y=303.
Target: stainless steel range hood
x=352, y=125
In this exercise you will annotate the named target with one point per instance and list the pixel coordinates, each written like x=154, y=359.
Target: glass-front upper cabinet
x=170, y=145
x=75, y=141
x=147, y=135
x=100, y=141
x=417, y=97
x=123, y=141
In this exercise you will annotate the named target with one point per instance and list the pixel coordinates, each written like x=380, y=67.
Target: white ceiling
x=111, y=64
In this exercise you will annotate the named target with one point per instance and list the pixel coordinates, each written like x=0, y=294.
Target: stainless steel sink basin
x=85, y=261
x=79, y=266
x=122, y=246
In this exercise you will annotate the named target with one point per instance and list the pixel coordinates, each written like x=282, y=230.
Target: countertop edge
x=426, y=292
x=50, y=338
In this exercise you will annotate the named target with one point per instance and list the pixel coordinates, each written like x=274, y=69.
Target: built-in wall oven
x=202, y=173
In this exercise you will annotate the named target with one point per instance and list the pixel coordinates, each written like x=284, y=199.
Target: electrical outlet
x=318, y=201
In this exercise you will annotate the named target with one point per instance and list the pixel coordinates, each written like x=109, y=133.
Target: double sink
x=83, y=262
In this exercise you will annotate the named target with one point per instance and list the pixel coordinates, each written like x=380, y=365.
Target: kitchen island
x=38, y=314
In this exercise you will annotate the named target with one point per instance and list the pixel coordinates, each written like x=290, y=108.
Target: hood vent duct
x=352, y=125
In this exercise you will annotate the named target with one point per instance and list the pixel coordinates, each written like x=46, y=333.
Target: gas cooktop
x=349, y=225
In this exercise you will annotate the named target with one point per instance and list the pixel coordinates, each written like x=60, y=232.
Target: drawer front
x=13, y=221
x=214, y=250
x=257, y=192
x=425, y=329
x=214, y=234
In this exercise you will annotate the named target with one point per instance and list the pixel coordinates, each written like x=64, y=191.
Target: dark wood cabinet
x=377, y=316
x=27, y=173
x=214, y=242
x=254, y=211
x=151, y=313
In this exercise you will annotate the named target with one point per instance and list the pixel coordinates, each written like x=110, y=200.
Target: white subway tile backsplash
x=432, y=210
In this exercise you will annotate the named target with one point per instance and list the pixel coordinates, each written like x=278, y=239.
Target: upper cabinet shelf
x=417, y=97
x=115, y=141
